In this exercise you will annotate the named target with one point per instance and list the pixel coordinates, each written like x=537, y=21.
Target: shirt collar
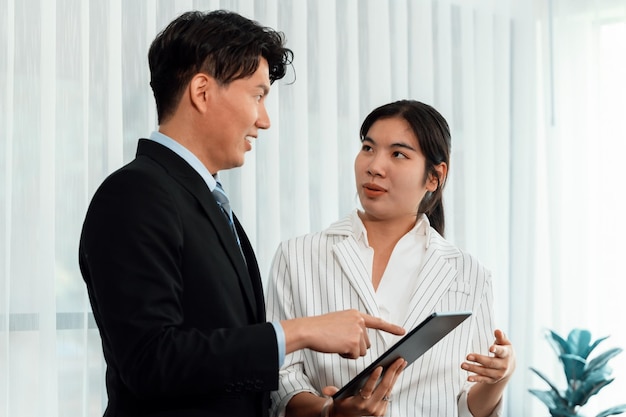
x=421, y=227
x=187, y=155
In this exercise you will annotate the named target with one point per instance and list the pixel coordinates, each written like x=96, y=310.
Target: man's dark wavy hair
x=220, y=43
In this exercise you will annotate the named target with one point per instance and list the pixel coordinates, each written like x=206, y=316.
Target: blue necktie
x=222, y=201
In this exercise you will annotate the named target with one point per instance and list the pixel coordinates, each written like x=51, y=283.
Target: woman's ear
x=437, y=178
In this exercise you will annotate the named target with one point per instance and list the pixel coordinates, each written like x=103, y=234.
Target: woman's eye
x=399, y=155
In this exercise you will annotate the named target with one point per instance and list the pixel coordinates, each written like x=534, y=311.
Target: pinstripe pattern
x=323, y=272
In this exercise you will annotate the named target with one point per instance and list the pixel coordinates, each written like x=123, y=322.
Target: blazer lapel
x=346, y=252
x=188, y=178
x=434, y=279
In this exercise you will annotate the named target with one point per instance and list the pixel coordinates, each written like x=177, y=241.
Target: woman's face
x=389, y=171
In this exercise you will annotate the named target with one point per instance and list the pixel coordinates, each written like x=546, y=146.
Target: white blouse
x=399, y=278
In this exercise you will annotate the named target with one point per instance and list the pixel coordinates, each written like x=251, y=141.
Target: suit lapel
x=253, y=271
x=217, y=218
x=188, y=178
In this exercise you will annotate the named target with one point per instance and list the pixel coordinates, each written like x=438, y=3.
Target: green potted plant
x=585, y=377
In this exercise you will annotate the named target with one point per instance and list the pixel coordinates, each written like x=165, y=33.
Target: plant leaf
x=555, y=402
x=579, y=341
x=574, y=366
x=601, y=360
x=549, y=398
x=542, y=376
x=613, y=411
x=557, y=343
x=563, y=413
x=597, y=342
x=598, y=375
x=585, y=390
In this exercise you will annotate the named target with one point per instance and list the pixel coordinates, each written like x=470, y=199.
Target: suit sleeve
x=133, y=259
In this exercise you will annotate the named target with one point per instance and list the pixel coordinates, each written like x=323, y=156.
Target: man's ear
x=199, y=91
x=436, y=181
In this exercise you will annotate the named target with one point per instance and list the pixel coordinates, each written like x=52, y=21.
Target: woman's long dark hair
x=433, y=137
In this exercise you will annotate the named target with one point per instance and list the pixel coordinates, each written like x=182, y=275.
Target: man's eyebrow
x=265, y=88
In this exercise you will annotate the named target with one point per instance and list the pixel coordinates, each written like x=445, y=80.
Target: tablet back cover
x=413, y=345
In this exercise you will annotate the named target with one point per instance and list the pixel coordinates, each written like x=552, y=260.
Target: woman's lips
x=373, y=190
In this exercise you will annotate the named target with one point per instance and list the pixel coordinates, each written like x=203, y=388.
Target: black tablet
x=413, y=345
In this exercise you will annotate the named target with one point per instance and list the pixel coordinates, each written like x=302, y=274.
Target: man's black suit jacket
x=180, y=313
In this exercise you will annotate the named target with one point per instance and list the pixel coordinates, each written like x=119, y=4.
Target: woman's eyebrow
x=402, y=145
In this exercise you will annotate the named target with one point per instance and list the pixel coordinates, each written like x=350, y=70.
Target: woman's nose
x=376, y=167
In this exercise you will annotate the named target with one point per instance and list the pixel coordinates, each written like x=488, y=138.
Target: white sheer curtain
x=74, y=99
x=577, y=225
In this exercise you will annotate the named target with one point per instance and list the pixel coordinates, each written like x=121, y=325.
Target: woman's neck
x=386, y=231
x=382, y=236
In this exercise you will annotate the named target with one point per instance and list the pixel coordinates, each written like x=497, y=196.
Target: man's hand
x=342, y=332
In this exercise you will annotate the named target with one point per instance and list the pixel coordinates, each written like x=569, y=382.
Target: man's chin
x=239, y=163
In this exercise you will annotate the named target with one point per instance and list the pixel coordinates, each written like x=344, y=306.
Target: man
x=172, y=279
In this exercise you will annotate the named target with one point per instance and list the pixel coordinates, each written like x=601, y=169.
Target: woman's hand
x=495, y=368
x=372, y=399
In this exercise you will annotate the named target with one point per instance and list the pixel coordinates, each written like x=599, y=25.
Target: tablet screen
x=413, y=345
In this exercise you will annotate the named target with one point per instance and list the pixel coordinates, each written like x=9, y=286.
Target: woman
x=389, y=259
